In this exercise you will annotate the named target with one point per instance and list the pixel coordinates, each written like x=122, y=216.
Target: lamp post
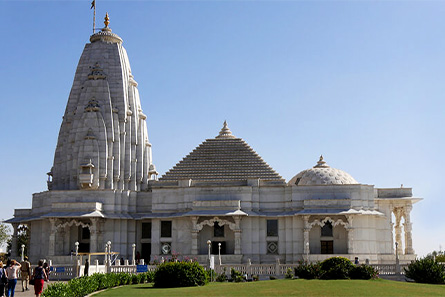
x=219, y=252
x=134, y=253
x=397, y=260
x=209, y=243
x=23, y=252
x=109, y=252
x=307, y=251
x=77, y=261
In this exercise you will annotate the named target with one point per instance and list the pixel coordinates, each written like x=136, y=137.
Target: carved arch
x=220, y=222
x=328, y=219
x=71, y=223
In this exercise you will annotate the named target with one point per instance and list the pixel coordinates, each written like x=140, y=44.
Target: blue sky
x=361, y=82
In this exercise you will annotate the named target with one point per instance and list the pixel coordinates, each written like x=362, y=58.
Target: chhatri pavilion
x=103, y=186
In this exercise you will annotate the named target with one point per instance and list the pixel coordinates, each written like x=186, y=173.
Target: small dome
x=322, y=174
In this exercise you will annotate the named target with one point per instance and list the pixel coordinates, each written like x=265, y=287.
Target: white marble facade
x=103, y=187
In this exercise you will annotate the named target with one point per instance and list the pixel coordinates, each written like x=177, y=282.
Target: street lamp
x=209, y=243
x=109, y=252
x=134, y=250
x=307, y=251
x=23, y=252
x=219, y=252
x=77, y=261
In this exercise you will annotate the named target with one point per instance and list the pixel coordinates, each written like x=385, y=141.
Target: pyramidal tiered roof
x=223, y=158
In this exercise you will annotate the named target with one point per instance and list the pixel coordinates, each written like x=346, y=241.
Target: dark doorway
x=215, y=247
x=146, y=252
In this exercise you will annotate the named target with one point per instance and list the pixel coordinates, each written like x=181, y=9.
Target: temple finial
x=321, y=163
x=225, y=132
x=107, y=20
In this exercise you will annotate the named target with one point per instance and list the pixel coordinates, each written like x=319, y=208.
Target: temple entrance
x=84, y=239
x=215, y=247
x=146, y=252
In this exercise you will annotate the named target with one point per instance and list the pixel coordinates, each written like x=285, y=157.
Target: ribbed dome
x=322, y=174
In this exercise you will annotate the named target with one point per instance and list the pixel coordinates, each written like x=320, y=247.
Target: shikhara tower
x=103, y=188
x=103, y=141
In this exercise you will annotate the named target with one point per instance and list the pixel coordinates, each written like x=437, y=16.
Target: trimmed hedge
x=426, y=270
x=335, y=268
x=85, y=285
x=179, y=274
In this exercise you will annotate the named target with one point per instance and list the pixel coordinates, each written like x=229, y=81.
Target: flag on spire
x=93, y=4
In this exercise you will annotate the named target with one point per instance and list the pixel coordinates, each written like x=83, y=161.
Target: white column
x=14, y=251
x=52, y=237
x=398, y=228
x=407, y=228
x=195, y=232
x=93, y=235
x=350, y=231
x=66, y=240
x=306, y=230
x=237, y=233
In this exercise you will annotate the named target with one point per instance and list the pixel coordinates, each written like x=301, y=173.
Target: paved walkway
x=30, y=293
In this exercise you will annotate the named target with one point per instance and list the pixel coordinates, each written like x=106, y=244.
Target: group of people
x=9, y=275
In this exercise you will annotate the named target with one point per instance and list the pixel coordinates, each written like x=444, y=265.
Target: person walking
x=39, y=277
x=87, y=267
x=3, y=280
x=11, y=272
x=26, y=272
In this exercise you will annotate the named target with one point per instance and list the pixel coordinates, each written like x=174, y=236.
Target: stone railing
x=66, y=272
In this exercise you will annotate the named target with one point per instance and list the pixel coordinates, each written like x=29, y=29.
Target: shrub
x=363, y=272
x=236, y=276
x=336, y=268
x=426, y=270
x=289, y=274
x=57, y=290
x=272, y=277
x=179, y=274
x=255, y=277
x=222, y=277
x=308, y=270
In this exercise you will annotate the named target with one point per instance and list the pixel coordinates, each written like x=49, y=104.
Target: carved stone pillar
x=407, y=228
x=237, y=233
x=14, y=251
x=306, y=230
x=93, y=235
x=66, y=240
x=350, y=231
x=52, y=237
x=195, y=232
x=398, y=228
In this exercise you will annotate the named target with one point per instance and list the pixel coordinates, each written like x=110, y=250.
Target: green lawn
x=329, y=288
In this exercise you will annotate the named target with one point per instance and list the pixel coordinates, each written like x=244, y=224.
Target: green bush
x=426, y=270
x=363, y=272
x=179, y=274
x=336, y=268
x=308, y=270
x=236, y=276
x=85, y=285
x=57, y=290
x=222, y=277
x=289, y=274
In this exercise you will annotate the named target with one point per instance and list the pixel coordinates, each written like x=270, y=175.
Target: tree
x=5, y=233
x=22, y=238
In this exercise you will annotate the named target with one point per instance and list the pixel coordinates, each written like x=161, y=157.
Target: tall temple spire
x=103, y=126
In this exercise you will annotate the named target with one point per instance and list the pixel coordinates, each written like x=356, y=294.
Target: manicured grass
x=326, y=288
